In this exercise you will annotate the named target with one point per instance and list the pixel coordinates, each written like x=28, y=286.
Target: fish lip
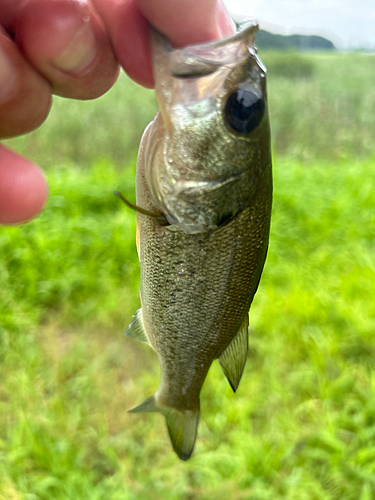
x=202, y=59
x=247, y=28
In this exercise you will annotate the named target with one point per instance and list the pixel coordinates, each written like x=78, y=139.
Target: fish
x=204, y=198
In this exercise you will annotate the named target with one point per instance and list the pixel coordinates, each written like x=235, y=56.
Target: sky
x=348, y=23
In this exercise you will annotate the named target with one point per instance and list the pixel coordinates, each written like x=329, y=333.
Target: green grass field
x=302, y=424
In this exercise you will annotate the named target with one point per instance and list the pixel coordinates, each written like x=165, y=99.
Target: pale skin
x=73, y=48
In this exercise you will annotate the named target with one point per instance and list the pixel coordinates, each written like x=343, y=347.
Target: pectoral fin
x=233, y=359
x=136, y=329
x=182, y=425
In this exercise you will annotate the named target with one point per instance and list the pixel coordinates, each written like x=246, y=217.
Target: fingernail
x=225, y=22
x=80, y=53
x=7, y=76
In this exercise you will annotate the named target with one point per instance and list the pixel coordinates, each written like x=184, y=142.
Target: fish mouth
x=202, y=59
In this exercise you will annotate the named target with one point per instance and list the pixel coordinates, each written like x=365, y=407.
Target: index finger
x=188, y=21
x=183, y=22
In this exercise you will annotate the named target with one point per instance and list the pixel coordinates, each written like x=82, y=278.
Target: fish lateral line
x=160, y=218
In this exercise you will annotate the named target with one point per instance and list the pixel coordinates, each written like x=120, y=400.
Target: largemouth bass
x=204, y=190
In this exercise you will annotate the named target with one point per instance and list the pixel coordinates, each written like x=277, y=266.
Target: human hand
x=71, y=48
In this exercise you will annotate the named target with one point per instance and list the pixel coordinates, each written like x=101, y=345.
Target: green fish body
x=205, y=167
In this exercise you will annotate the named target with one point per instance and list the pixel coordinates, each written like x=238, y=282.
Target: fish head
x=208, y=148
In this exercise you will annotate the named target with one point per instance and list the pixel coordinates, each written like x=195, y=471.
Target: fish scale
x=210, y=178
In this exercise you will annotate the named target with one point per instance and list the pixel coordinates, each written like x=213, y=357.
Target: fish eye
x=244, y=111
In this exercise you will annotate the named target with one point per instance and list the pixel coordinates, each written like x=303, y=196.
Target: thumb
x=23, y=188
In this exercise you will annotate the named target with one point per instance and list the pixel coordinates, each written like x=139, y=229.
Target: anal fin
x=136, y=329
x=233, y=359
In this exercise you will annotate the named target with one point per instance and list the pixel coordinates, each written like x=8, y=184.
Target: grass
x=302, y=424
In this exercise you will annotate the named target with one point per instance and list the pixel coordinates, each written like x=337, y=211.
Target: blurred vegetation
x=290, y=65
x=302, y=424
x=81, y=133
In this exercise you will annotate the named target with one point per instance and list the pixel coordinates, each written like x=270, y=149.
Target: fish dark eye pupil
x=244, y=111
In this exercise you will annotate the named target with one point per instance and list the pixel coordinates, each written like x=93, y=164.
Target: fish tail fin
x=182, y=428
x=182, y=425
